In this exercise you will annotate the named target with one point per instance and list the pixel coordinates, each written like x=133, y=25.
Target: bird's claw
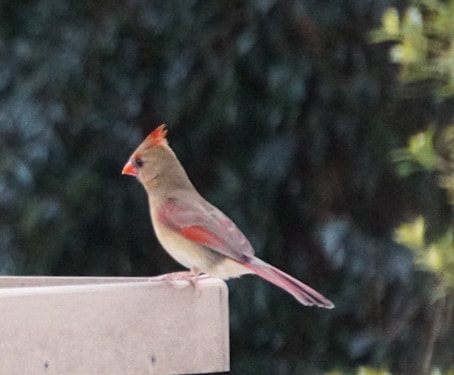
x=174, y=278
x=192, y=277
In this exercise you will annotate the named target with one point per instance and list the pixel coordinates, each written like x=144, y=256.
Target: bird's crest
x=158, y=136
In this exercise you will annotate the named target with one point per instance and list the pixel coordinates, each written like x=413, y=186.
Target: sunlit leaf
x=391, y=22
x=411, y=234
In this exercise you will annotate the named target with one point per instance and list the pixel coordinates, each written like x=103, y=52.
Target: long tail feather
x=302, y=292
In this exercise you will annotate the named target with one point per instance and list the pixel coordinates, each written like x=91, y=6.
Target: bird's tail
x=302, y=292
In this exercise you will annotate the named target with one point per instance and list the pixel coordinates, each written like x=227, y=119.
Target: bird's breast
x=188, y=253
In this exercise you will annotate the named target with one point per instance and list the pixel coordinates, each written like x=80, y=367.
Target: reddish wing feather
x=205, y=224
x=202, y=236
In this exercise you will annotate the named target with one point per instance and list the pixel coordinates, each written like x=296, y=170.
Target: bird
x=194, y=232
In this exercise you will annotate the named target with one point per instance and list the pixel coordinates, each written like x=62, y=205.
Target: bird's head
x=149, y=158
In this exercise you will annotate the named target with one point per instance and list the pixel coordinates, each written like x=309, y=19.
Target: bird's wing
x=201, y=222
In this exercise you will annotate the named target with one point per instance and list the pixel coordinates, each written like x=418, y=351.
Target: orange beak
x=129, y=169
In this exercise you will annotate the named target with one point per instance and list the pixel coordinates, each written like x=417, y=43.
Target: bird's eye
x=138, y=162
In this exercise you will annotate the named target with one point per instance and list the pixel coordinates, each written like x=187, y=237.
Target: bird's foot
x=192, y=277
x=174, y=278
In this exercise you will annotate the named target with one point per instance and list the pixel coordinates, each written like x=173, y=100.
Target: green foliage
x=424, y=50
x=425, y=53
x=436, y=255
x=322, y=145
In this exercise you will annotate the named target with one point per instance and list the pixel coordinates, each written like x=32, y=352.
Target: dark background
x=323, y=128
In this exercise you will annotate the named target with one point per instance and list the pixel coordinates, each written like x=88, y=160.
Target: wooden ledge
x=89, y=325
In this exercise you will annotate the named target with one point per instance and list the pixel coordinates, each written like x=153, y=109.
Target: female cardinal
x=193, y=231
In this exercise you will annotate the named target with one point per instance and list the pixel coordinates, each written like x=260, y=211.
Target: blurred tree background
x=324, y=129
